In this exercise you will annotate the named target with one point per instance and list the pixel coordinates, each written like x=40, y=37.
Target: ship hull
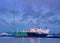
x=36, y=35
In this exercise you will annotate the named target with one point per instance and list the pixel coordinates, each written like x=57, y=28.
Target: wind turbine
x=6, y=11
x=14, y=12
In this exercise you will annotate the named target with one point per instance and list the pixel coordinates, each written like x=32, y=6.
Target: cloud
x=51, y=18
x=3, y=22
x=34, y=20
x=55, y=17
x=11, y=19
x=47, y=10
x=29, y=20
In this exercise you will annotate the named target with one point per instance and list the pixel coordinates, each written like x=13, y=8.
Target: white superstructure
x=38, y=30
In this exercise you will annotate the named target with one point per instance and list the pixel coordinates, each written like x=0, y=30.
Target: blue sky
x=48, y=12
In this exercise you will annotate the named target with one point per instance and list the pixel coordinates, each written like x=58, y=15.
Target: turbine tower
x=14, y=12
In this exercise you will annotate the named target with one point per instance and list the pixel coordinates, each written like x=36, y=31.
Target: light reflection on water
x=28, y=40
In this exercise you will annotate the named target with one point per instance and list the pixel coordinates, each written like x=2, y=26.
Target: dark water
x=28, y=40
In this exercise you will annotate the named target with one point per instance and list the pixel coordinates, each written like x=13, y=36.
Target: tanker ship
x=33, y=33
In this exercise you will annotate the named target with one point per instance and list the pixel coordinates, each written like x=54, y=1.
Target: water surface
x=28, y=40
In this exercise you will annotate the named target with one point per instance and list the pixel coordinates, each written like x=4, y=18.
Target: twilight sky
x=48, y=12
